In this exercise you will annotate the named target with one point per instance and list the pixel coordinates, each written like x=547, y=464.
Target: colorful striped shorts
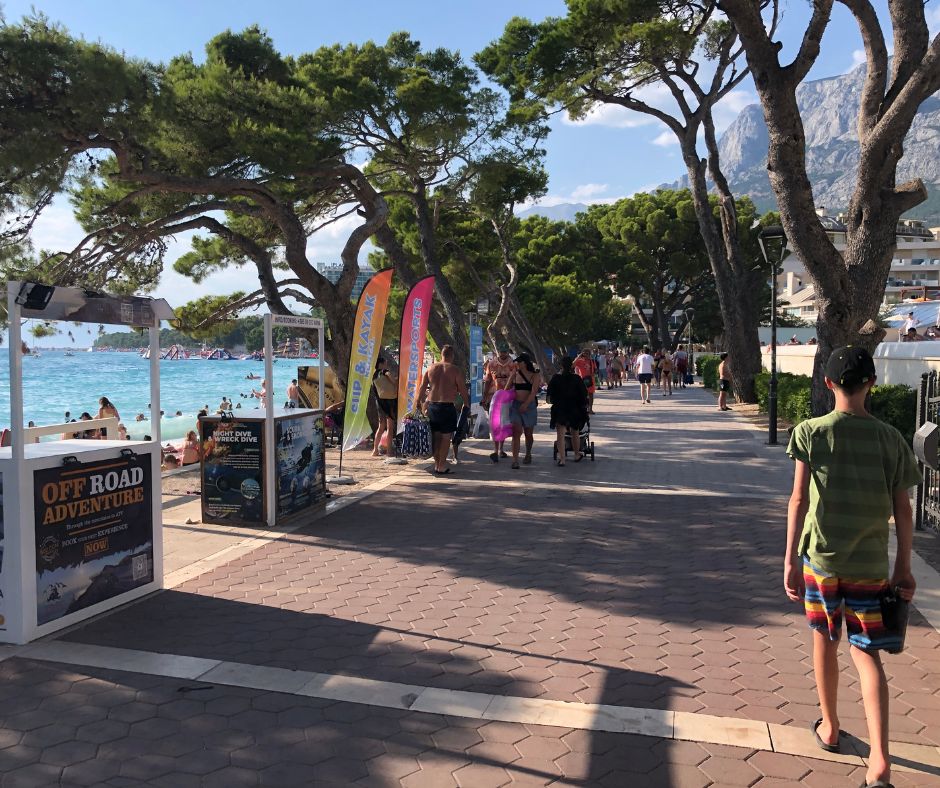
x=827, y=596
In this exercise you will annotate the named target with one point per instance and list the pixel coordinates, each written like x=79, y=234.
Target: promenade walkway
x=610, y=623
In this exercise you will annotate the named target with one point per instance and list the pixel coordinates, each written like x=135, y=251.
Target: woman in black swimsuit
x=525, y=381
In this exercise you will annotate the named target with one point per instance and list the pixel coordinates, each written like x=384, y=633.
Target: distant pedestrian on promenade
x=853, y=472
x=585, y=367
x=615, y=365
x=385, y=388
x=680, y=362
x=526, y=383
x=644, y=373
x=439, y=388
x=569, y=400
x=724, y=381
x=498, y=372
x=601, y=363
x=665, y=373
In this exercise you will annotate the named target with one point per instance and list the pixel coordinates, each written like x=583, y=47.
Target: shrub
x=793, y=395
x=894, y=405
x=707, y=367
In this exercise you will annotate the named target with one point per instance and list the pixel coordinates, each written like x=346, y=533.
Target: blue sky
x=613, y=154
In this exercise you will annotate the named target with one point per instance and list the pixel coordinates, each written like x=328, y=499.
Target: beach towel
x=500, y=424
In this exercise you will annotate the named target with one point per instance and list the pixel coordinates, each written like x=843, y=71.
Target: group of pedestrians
x=570, y=393
x=667, y=370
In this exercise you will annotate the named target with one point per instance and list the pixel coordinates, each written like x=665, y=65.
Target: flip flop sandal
x=820, y=743
x=443, y=473
x=526, y=460
x=494, y=457
x=504, y=455
x=579, y=457
x=877, y=784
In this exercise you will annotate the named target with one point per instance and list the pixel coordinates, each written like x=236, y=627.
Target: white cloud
x=613, y=116
x=858, y=57
x=666, y=139
x=616, y=116
x=588, y=190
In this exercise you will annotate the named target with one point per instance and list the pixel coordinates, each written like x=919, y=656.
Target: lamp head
x=773, y=244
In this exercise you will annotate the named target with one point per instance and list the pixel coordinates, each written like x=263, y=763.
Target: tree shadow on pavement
x=259, y=730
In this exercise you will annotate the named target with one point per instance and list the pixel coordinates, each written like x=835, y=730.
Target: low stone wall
x=899, y=363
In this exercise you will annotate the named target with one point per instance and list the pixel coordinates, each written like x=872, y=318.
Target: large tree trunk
x=456, y=320
x=534, y=340
x=733, y=289
x=388, y=243
x=849, y=287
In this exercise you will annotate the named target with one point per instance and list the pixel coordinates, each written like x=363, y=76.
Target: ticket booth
x=260, y=466
x=80, y=520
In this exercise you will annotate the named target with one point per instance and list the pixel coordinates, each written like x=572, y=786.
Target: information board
x=94, y=533
x=301, y=481
x=232, y=471
x=476, y=364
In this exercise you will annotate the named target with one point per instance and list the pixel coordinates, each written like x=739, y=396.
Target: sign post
x=476, y=364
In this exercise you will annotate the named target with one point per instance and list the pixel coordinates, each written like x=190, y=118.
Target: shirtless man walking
x=439, y=388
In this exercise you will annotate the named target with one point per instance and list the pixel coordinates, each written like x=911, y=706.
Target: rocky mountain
x=829, y=108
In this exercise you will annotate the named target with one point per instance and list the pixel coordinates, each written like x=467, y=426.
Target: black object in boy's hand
x=895, y=612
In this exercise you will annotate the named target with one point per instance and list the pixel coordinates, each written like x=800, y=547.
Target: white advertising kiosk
x=80, y=520
x=263, y=465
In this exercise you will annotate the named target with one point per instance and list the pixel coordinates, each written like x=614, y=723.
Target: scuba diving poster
x=94, y=533
x=301, y=481
x=232, y=471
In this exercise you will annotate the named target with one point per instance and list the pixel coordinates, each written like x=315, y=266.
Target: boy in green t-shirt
x=852, y=473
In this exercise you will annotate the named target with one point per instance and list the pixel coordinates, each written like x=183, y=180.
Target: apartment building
x=915, y=267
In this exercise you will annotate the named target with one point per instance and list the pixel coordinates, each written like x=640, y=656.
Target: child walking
x=852, y=473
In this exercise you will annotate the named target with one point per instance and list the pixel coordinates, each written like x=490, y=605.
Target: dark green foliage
x=707, y=367
x=894, y=405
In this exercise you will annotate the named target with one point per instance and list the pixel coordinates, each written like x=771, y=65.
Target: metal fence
x=927, y=512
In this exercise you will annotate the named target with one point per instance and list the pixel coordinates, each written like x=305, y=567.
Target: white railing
x=109, y=425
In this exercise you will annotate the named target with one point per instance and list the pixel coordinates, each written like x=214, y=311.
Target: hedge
x=707, y=367
x=894, y=405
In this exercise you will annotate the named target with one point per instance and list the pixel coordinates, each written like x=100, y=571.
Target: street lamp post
x=773, y=247
x=689, y=314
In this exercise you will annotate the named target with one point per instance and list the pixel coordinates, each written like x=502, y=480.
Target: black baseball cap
x=850, y=366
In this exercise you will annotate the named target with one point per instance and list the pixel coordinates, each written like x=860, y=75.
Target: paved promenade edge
x=664, y=724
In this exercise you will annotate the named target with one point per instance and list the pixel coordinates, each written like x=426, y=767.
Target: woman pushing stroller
x=569, y=397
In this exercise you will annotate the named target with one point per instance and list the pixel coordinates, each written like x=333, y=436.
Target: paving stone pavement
x=649, y=578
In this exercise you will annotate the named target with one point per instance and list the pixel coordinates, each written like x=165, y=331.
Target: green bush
x=707, y=367
x=897, y=406
x=894, y=405
x=793, y=395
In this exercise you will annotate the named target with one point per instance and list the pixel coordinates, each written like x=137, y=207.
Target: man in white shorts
x=644, y=373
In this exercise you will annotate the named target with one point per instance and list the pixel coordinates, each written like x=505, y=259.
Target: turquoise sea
x=55, y=383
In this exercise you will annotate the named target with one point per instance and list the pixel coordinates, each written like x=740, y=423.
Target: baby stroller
x=584, y=437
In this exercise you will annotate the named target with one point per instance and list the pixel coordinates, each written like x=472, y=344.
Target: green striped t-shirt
x=856, y=463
